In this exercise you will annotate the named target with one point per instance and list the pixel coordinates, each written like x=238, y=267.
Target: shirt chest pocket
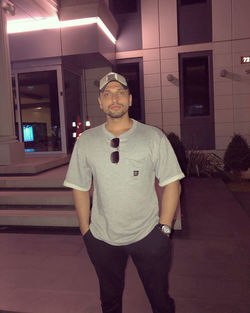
x=137, y=169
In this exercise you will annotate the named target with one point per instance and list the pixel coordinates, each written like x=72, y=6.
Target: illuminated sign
x=244, y=60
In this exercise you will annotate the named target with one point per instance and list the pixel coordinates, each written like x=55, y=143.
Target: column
x=11, y=150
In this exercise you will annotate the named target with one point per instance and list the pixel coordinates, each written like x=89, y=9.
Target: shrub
x=179, y=150
x=237, y=155
x=204, y=164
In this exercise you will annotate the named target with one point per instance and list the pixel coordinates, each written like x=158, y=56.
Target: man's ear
x=130, y=100
x=100, y=103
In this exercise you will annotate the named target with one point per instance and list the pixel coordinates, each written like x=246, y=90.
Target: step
x=34, y=164
x=36, y=197
x=53, y=218
x=50, y=179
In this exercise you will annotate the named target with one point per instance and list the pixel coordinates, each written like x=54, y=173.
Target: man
x=123, y=157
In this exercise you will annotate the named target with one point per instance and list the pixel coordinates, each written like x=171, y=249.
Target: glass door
x=39, y=119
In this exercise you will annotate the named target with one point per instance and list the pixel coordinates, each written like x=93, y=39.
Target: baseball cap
x=111, y=76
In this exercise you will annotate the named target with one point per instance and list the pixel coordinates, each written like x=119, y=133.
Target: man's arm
x=82, y=204
x=169, y=202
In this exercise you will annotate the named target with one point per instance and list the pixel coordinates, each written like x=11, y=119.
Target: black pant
x=151, y=256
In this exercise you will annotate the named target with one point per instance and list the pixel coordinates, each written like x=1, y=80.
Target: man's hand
x=82, y=204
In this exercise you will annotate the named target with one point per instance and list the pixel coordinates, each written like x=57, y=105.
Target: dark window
x=196, y=86
x=186, y=2
x=133, y=73
x=194, y=21
x=123, y=6
x=197, y=100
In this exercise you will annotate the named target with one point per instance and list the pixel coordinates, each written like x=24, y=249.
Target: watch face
x=166, y=229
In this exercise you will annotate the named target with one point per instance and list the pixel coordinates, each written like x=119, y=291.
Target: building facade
x=187, y=62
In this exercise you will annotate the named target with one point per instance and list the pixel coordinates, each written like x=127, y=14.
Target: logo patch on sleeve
x=136, y=173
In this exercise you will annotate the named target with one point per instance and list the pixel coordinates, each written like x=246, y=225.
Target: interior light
x=87, y=123
x=27, y=25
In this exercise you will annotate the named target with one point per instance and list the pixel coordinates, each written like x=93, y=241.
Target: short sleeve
x=167, y=167
x=79, y=174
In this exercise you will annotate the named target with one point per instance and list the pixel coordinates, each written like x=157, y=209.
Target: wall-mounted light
x=170, y=77
x=223, y=73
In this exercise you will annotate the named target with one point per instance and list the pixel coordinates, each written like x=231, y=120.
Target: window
x=196, y=86
x=197, y=100
x=187, y=2
x=194, y=21
x=123, y=6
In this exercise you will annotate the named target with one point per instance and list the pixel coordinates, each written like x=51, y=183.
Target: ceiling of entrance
x=33, y=9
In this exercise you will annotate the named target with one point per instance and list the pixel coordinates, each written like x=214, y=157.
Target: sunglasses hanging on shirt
x=114, y=143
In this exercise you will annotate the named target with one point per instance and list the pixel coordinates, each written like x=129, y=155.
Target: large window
x=194, y=21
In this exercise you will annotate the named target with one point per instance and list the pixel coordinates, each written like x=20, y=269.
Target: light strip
x=27, y=25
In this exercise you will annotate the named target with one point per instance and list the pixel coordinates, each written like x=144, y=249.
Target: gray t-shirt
x=125, y=205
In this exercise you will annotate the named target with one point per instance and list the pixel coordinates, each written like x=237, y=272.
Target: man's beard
x=116, y=114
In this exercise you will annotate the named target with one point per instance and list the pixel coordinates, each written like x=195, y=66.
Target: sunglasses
x=114, y=143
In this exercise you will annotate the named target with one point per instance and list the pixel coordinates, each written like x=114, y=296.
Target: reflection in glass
x=40, y=111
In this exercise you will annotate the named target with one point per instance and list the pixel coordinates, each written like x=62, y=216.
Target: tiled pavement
x=51, y=273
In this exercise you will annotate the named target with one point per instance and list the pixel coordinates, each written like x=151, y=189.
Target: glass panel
x=72, y=89
x=16, y=115
x=196, y=86
x=40, y=111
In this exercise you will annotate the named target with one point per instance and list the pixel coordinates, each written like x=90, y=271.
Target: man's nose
x=115, y=97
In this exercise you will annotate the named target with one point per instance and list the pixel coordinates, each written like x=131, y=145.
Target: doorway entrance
x=39, y=112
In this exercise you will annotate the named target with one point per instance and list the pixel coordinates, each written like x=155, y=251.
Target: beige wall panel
x=224, y=116
x=152, y=93
x=241, y=101
x=151, y=54
x=151, y=67
x=241, y=20
x=221, y=142
x=152, y=80
x=223, y=88
x=221, y=19
x=241, y=87
x=154, y=119
x=241, y=45
x=170, y=92
x=223, y=102
x=242, y=128
x=172, y=129
x=242, y=115
x=169, y=53
x=153, y=106
x=168, y=23
x=171, y=105
x=171, y=118
x=222, y=60
x=224, y=129
x=150, y=24
x=223, y=47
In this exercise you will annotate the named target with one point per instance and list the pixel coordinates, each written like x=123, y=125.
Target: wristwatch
x=165, y=229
